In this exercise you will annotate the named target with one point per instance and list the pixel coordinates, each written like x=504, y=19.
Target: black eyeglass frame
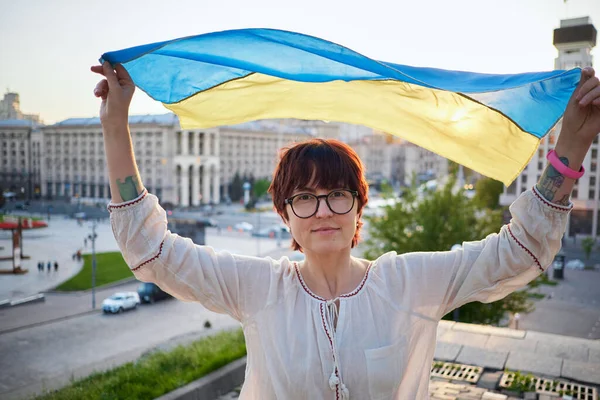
x=354, y=194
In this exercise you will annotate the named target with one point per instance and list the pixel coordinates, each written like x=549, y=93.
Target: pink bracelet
x=562, y=168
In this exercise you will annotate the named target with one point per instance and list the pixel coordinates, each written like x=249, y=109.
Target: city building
x=182, y=167
x=251, y=149
x=395, y=161
x=20, y=155
x=574, y=41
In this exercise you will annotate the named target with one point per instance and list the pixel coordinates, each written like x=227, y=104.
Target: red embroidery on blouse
x=353, y=293
x=555, y=206
x=128, y=203
x=362, y=283
x=525, y=248
x=152, y=259
x=304, y=284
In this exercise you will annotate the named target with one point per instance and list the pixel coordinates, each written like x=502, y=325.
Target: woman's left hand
x=581, y=120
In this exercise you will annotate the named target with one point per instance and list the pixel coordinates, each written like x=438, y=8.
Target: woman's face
x=325, y=231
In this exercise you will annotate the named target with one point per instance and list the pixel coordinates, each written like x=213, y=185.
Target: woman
x=335, y=326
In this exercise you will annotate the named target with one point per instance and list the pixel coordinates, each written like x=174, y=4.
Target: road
x=571, y=308
x=47, y=356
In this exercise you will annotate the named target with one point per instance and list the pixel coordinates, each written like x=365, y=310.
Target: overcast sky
x=47, y=46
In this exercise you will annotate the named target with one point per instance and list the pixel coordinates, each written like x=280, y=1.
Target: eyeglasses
x=305, y=205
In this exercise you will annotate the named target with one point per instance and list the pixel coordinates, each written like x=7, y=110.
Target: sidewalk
x=63, y=237
x=58, y=242
x=61, y=306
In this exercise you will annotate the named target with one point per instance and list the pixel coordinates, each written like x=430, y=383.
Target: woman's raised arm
x=116, y=91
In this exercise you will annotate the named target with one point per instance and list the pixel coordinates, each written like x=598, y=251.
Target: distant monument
x=10, y=108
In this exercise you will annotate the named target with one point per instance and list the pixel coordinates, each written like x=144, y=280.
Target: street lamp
x=93, y=237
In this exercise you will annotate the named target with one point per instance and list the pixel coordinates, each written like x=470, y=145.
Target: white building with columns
x=574, y=41
x=182, y=167
x=20, y=154
x=387, y=157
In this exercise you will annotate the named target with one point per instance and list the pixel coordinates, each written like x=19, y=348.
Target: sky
x=48, y=46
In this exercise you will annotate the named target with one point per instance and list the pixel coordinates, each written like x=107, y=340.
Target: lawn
x=158, y=373
x=17, y=215
x=110, y=267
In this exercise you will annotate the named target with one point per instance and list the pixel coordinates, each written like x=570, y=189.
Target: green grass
x=16, y=215
x=157, y=373
x=542, y=280
x=110, y=267
x=537, y=296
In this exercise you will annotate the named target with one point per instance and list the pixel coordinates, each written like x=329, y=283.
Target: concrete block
x=465, y=338
x=548, y=397
x=446, y=351
x=498, y=343
x=482, y=357
x=493, y=396
x=489, y=330
x=594, y=356
x=213, y=385
x=581, y=371
x=562, y=340
x=566, y=350
x=490, y=380
x=534, y=362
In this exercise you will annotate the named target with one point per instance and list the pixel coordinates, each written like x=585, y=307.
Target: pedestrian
x=40, y=266
x=55, y=266
x=85, y=243
x=333, y=325
x=49, y=266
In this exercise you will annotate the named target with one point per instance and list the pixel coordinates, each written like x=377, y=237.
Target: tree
x=260, y=187
x=587, y=244
x=430, y=222
x=487, y=193
x=236, y=190
x=386, y=190
x=2, y=199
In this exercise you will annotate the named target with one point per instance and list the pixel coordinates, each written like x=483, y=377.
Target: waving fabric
x=490, y=123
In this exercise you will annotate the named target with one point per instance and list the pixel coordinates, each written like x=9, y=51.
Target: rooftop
x=172, y=119
x=18, y=123
x=160, y=119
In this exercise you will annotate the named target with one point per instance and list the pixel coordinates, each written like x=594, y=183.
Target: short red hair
x=320, y=163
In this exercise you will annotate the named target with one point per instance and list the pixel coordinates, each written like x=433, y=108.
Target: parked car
x=575, y=264
x=273, y=231
x=243, y=226
x=150, y=292
x=119, y=302
x=212, y=222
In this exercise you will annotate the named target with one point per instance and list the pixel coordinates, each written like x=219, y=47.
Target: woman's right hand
x=116, y=91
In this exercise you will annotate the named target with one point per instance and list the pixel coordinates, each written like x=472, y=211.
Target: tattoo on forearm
x=130, y=188
x=551, y=182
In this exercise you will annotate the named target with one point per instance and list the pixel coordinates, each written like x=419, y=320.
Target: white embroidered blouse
x=383, y=343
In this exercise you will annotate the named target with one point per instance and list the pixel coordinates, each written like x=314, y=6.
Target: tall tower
x=574, y=41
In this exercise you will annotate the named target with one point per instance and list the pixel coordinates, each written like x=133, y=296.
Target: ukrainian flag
x=490, y=123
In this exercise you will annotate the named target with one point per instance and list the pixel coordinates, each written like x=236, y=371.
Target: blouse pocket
x=384, y=369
